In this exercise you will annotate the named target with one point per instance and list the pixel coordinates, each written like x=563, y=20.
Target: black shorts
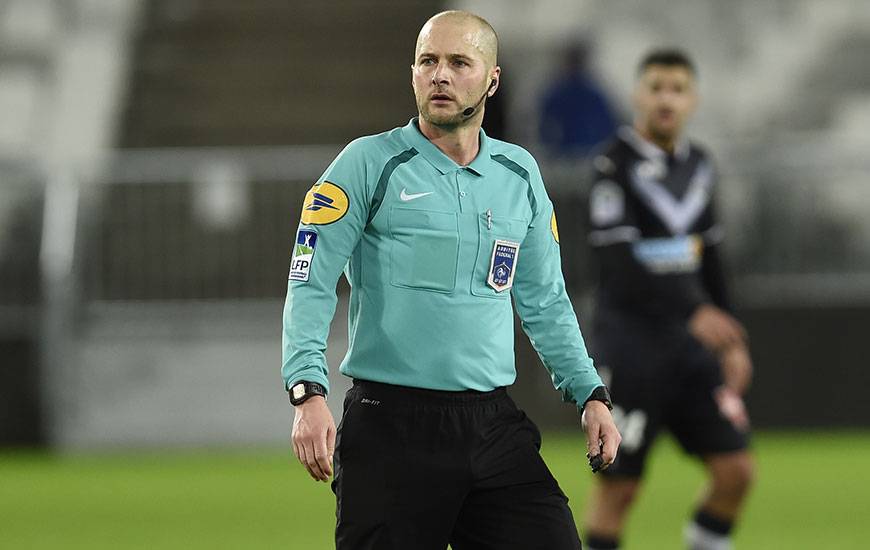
x=660, y=376
x=418, y=469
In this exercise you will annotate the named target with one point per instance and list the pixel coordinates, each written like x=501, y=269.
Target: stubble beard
x=445, y=121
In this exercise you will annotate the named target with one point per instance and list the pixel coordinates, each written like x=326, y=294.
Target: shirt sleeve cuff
x=308, y=375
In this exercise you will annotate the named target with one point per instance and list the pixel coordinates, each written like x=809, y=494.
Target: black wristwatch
x=601, y=393
x=301, y=391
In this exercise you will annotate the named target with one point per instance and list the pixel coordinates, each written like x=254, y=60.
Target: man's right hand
x=715, y=329
x=314, y=437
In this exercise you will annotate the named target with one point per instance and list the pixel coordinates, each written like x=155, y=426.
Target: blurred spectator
x=575, y=112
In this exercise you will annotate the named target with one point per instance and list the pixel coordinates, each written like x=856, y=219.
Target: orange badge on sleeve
x=325, y=203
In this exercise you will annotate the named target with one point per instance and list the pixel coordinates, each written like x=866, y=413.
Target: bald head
x=475, y=31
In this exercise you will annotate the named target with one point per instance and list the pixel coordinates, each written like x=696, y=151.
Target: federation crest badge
x=502, y=265
x=303, y=254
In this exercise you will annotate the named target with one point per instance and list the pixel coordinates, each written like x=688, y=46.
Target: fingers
x=322, y=459
x=313, y=459
x=314, y=438
x=298, y=452
x=602, y=436
x=593, y=427
x=330, y=446
x=610, y=440
x=303, y=459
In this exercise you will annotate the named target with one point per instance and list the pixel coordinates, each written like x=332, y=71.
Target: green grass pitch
x=813, y=491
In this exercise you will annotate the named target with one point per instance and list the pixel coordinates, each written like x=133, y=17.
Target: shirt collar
x=650, y=150
x=439, y=160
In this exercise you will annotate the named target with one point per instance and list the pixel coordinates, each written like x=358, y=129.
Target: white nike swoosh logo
x=406, y=197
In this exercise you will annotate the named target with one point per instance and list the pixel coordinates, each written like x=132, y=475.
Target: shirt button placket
x=461, y=190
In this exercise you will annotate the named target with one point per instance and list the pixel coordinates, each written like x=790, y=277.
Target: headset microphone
x=470, y=110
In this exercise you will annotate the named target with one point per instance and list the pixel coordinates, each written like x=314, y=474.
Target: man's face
x=451, y=71
x=664, y=99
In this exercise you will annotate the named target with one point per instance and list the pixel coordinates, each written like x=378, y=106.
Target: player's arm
x=333, y=217
x=549, y=320
x=713, y=323
x=733, y=348
x=713, y=272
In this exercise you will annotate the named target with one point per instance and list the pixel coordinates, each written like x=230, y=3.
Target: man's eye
x=428, y=61
x=459, y=63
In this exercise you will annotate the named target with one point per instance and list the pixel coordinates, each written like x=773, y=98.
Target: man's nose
x=667, y=97
x=439, y=75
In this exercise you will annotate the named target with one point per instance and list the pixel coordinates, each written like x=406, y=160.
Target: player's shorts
x=660, y=377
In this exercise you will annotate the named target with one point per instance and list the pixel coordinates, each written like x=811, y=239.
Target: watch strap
x=601, y=393
x=300, y=392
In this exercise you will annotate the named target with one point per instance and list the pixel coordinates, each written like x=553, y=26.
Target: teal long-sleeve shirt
x=433, y=252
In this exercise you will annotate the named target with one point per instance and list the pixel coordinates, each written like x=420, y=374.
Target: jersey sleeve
x=713, y=275
x=712, y=267
x=544, y=308
x=334, y=214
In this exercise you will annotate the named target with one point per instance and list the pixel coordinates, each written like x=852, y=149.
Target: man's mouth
x=439, y=97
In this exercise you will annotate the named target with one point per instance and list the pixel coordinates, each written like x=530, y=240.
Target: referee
x=663, y=335
x=436, y=227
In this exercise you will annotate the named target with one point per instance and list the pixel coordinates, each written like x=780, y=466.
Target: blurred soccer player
x=663, y=336
x=437, y=227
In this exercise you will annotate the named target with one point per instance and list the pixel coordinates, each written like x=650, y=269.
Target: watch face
x=299, y=391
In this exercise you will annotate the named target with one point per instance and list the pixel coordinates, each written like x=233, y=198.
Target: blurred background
x=154, y=155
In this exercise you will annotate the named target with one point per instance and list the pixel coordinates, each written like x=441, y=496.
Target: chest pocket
x=425, y=249
x=497, y=229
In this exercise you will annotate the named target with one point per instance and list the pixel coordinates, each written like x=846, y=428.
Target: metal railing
x=216, y=224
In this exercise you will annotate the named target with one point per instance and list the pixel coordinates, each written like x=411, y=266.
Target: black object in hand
x=596, y=462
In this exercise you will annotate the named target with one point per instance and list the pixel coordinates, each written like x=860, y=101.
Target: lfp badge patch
x=303, y=254
x=501, y=265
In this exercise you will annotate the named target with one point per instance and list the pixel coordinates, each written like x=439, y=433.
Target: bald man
x=437, y=226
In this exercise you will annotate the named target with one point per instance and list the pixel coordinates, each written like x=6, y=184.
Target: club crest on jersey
x=502, y=265
x=606, y=203
x=325, y=203
x=303, y=255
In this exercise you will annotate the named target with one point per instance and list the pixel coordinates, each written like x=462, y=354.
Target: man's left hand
x=601, y=433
